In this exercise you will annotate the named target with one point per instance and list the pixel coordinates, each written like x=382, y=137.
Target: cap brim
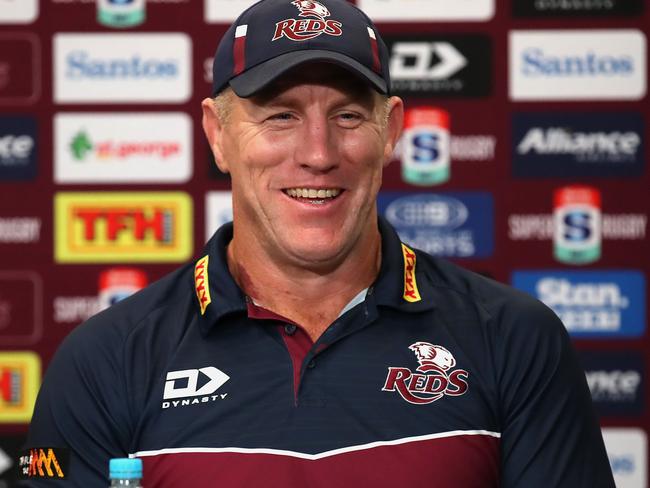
x=256, y=78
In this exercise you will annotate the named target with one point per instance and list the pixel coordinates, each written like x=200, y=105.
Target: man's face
x=306, y=159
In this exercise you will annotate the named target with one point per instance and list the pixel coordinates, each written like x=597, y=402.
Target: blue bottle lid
x=125, y=468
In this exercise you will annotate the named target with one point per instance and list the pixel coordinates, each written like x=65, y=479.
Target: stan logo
x=434, y=380
x=313, y=26
x=201, y=283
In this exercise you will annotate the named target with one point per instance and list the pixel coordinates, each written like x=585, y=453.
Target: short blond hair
x=222, y=104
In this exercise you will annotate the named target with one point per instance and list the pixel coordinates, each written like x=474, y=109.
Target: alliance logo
x=434, y=380
x=305, y=29
x=578, y=144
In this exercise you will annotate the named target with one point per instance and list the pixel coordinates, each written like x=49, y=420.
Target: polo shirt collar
x=217, y=292
x=401, y=283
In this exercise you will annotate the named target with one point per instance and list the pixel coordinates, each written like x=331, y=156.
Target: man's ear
x=394, y=127
x=213, y=129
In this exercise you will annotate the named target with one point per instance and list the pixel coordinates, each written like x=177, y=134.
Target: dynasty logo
x=434, y=378
x=313, y=26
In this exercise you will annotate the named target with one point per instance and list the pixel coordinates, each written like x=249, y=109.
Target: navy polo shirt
x=434, y=377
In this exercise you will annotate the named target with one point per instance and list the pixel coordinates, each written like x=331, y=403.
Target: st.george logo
x=312, y=26
x=434, y=378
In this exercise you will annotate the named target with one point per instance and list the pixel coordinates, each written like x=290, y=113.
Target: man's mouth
x=316, y=196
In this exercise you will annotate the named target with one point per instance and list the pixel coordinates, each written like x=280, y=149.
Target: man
x=307, y=346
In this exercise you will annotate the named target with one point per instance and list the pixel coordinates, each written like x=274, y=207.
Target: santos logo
x=185, y=385
x=122, y=68
x=581, y=65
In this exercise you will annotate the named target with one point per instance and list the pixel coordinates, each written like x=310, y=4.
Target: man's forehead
x=321, y=74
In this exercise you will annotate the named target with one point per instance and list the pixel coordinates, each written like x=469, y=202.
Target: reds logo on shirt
x=434, y=380
x=313, y=26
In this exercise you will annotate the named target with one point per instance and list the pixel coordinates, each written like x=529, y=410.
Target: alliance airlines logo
x=578, y=144
x=577, y=65
x=434, y=378
x=122, y=68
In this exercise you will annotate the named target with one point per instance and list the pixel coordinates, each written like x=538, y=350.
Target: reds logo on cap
x=434, y=380
x=313, y=26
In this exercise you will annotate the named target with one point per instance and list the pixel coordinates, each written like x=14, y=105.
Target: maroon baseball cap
x=273, y=36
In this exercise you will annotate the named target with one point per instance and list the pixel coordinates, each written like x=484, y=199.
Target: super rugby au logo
x=312, y=26
x=434, y=378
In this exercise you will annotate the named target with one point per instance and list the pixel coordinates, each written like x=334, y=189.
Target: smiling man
x=307, y=346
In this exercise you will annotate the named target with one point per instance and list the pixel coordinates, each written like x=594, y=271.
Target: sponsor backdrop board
x=525, y=158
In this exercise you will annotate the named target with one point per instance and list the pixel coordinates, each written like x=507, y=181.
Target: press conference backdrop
x=524, y=158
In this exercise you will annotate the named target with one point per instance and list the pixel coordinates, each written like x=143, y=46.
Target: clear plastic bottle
x=125, y=472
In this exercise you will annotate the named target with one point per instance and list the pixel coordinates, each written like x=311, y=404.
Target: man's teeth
x=312, y=192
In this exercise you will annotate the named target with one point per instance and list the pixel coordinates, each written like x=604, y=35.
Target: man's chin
x=314, y=255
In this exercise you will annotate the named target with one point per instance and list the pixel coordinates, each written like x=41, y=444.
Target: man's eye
x=349, y=119
x=281, y=116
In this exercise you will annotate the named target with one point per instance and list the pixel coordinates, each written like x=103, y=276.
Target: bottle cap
x=125, y=468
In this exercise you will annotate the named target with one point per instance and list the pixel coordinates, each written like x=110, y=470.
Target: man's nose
x=316, y=150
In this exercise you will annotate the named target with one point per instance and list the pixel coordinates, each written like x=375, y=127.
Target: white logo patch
x=184, y=385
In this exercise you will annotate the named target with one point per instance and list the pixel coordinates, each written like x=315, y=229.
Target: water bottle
x=125, y=472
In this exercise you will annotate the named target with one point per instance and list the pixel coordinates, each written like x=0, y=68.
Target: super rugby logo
x=434, y=380
x=313, y=26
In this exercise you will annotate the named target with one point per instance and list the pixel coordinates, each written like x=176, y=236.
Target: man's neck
x=310, y=297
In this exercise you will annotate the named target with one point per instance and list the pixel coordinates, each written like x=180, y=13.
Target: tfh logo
x=313, y=26
x=129, y=220
x=434, y=380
